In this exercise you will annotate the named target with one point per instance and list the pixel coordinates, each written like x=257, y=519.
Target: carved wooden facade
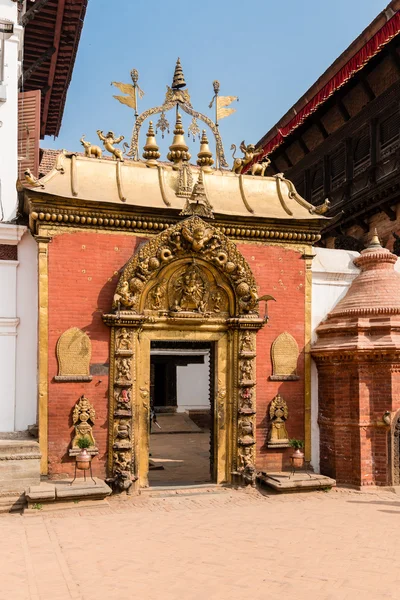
x=347, y=148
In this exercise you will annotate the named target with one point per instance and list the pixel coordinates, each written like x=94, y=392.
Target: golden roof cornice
x=58, y=212
x=130, y=185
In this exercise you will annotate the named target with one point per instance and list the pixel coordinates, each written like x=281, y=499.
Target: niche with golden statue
x=83, y=418
x=278, y=414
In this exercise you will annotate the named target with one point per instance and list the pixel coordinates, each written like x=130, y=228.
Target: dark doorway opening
x=182, y=413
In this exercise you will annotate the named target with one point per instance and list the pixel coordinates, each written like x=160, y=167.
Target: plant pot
x=297, y=459
x=83, y=460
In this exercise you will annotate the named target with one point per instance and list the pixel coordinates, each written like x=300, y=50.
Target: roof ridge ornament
x=375, y=241
x=198, y=204
x=179, y=78
x=176, y=96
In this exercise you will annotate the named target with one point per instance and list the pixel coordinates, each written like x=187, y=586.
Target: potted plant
x=297, y=457
x=83, y=458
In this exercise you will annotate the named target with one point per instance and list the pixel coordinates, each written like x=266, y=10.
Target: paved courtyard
x=222, y=545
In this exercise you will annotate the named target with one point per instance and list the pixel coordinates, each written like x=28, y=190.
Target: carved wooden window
x=389, y=133
x=362, y=152
x=299, y=185
x=337, y=163
x=317, y=183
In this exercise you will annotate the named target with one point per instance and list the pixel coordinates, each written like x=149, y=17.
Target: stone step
x=12, y=448
x=179, y=490
x=34, y=509
x=62, y=491
x=19, y=464
x=300, y=481
x=12, y=503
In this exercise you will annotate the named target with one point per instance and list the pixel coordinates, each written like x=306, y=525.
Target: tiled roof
x=56, y=28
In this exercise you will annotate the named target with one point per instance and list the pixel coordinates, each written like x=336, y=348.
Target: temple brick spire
x=358, y=360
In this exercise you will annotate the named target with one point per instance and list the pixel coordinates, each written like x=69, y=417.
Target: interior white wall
x=332, y=274
x=26, y=351
x=193, y=386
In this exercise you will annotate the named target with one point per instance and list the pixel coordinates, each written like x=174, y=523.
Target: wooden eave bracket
x=32, y=12
x=27, y=73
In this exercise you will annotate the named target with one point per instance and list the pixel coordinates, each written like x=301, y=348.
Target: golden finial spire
x=375, y=242
x=178, y=150
x=151, y=152
x=179, y=78
x=205, y=159
x=198, y=203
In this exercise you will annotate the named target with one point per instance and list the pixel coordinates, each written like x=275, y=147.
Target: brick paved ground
x=220, y=546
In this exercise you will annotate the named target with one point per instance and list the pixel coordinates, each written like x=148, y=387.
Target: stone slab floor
x=184, y=456
x=222, y=545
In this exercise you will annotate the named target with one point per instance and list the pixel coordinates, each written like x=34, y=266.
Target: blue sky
x=268, y=53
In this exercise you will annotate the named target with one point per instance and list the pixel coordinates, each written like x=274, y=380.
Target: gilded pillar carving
x=246, y=407
x=43, y=345
x=122, y=376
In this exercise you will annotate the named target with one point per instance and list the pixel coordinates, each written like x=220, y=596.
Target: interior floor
x=185, y=458
x=181, y=392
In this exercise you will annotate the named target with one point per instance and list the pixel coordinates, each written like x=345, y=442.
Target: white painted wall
x=332, y=274
x=18, y=331
x=9, y=115
x=26, y=356
x=193, y=386
x=18, y=279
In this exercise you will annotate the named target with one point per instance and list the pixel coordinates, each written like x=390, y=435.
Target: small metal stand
x=84, y=474
x=300, y=470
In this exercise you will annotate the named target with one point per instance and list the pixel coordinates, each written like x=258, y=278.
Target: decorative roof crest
x=179, y=97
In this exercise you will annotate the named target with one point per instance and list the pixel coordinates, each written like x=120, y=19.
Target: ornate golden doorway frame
x=189, y=283
x=219, y=372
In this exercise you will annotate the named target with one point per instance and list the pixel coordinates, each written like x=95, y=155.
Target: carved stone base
x=73, y=378
x=284, y=377
x=123, y=383
x=278, y=444
x=75, y=451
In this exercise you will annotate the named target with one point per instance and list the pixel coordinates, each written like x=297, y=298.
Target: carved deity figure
x=278, y=413
x=246, y=466
x=217, y=298
x=123, y=400
x=83, y=417
x=156, y=297
x=124, y=369
x=109, y=140
x=246, y=370
x=190, y=289
x=122, y=431
x=247, y=398
x=123, y=340
x=122, y=461
x=199, y=238
x=246, y=431
x=246, y=343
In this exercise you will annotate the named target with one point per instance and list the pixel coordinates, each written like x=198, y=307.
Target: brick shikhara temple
x=149, y=270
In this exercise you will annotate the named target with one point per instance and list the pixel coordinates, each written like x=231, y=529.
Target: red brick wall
x=354, y=396
x=83, y=273
x=281, y=273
